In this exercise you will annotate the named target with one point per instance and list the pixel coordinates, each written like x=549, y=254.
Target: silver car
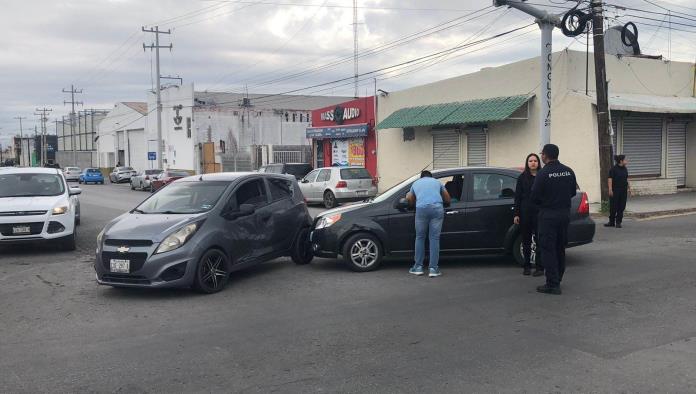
x=141, y=181
x=121, y=174
x=334, y=185
x=72, y=173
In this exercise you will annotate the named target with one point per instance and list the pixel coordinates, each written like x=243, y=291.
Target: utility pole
x=546, y=23
x=603, y=138
x=355, y=46
x=43, y=112
x=21, y=137
x=72, y=102
x=156, y=46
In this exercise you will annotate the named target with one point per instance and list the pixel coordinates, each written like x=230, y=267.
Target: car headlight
x=328, y=221
x=60, y=210
x=178, y=238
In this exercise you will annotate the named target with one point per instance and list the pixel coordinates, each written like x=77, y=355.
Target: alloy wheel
x=364, y=253
x=213, y=273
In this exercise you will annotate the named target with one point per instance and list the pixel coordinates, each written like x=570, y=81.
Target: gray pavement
x=625, y=322
x=670, y=203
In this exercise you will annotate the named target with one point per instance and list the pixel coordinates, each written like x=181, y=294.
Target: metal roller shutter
x=676, y=151
x=476, y=148
x=446, y=149
x=642, y=144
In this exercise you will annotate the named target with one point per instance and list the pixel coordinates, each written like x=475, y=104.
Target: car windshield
x=127, y=169
x=31, y=185
x=394, y=189
x=355, y=173
x=184, y=198
x=177, y=173
x=297, y=170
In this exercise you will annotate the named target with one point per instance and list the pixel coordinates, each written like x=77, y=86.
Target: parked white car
x=37, y=204
x=121, y=174
x=72, y=173
x=334, y=185
x=141, y=180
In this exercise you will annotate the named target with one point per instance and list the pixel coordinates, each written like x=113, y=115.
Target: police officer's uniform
x=554, y=187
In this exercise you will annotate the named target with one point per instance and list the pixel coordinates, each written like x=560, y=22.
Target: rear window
x=355, y=173
x=93, y=171
x=72, y=169
x=152, y=172
x=127, y=168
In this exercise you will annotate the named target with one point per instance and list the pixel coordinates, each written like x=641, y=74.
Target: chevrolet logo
x=123, y=249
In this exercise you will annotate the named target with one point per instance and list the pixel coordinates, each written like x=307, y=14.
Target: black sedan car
x=478, y=221
x=199, y=229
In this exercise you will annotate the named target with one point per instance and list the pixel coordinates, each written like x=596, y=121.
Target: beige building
x=491, y=117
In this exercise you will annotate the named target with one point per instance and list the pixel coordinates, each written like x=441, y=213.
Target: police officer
x=554, y=187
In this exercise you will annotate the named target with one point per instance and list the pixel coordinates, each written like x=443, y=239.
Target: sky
x=276, y=46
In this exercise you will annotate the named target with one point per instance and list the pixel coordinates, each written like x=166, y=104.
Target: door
x=446, y=145
x=285, y=214
x=676, y=151
x=250, y=237
x=476, y=148
x=402, y=230
x=489, y=210
x=642, y=145
x=307, y=184
x=320, y=184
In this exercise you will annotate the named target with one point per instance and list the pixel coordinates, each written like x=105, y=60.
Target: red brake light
x=584, y=208
x=341, y=185
x=374, y=182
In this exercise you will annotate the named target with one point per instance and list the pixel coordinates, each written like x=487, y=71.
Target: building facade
x=344, y=134
x=81, y=133
x=122, y=139
x=492, y=117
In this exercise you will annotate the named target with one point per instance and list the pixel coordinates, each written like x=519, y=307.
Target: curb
x=647, y=215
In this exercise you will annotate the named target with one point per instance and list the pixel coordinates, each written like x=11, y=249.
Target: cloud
x=47, y=45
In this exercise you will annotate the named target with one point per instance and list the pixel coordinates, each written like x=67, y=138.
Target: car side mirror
x=74, y=191
x=402, y=204
x=305, y=180
x=244, y=210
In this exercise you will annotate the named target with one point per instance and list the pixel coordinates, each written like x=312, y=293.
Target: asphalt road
x=625, y=322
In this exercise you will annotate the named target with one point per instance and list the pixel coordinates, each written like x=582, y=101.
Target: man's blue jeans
x=429, y=222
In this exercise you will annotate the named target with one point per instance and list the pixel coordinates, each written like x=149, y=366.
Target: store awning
x=465, y=112
x=650, y=103
x=347, y=131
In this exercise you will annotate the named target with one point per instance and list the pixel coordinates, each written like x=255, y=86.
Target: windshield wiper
x=172, y=213
x=139, y=211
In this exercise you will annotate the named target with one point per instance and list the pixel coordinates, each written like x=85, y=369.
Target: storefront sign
x=348, y=152
x=349, y=131
x=339, y=114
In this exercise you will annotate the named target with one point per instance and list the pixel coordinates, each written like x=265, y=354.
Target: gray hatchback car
x=199, y=229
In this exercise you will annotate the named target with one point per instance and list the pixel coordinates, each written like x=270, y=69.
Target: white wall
x=179, y=149
x=121, y=118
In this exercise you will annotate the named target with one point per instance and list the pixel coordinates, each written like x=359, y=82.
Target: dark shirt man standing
x=555, y=185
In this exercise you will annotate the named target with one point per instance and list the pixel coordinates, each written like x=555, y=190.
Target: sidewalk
x=646, y=206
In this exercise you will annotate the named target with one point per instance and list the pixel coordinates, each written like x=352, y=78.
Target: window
x=454, y=186
x=287, y=117
x=493, y=187
x=294, y=117
x=280, y=189
x=324, y=176
x=311, y=176
x=301, y=117
x=222, y=146
x=355, y=173
x=252, y=192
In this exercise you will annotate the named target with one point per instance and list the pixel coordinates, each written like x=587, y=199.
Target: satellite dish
x=622, y=40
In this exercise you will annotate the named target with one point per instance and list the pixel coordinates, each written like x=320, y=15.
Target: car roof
x=475, y=168
x=29, y=170
x=231, y=176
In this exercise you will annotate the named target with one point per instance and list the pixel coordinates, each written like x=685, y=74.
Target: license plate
x=21, y=230
x=361, y=192
x=120, y=266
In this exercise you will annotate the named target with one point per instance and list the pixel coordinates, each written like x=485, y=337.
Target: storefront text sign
x=339, y=114
x=348, y=131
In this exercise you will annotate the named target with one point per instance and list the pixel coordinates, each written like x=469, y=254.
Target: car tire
x=302, y=249
x=330, y=200
x=101, y=183
x=212, y=272
x=132, y=186
x=69, y=243
x=363, y=252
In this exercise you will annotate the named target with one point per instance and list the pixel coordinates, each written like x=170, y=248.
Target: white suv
x=36, y=204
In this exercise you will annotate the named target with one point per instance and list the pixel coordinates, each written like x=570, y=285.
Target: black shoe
x=609, y=225
x=618, y=225
x=538, y=272
x=546, y=289
x=527, y=271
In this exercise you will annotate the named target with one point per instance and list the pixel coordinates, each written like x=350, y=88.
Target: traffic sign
x=152, y=155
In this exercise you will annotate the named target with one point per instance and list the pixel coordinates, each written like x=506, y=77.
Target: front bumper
x=147, y=269
x=45, y=227
x=325, y=243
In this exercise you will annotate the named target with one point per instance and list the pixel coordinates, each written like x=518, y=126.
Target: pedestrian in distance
x=619, y=188
x=429, y=197
x=526, y=213
x=554, y=187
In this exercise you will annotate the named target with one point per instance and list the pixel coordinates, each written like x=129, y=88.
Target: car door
x=251, y=235
x=285, y=211
x=307, y=184
x=489, y=209
x=321, y=184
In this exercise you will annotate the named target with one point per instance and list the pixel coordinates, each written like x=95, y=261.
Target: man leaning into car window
x=428, y=195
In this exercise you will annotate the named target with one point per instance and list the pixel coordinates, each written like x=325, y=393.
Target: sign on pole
x=152, y=155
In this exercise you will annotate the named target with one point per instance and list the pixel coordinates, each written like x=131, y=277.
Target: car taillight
x=584, y=208
x=341, y=185
x=147, y=177
x=374, y=182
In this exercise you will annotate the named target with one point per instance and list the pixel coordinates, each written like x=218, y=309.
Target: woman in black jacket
x=526, y=213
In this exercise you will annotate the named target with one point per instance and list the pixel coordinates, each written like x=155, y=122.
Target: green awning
x=465, y=112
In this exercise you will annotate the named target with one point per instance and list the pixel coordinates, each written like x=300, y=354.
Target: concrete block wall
x=647, y=187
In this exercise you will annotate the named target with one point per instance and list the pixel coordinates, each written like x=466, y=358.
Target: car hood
x=154, y=227
x=344, y=209
x=11, y=204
